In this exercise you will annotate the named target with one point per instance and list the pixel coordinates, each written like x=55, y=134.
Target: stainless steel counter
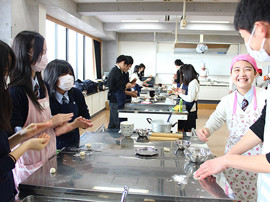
x=102, y=174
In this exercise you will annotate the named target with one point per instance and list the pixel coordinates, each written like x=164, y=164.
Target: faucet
x=124, y=194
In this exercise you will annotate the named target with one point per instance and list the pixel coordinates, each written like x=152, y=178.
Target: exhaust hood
x=193, y=48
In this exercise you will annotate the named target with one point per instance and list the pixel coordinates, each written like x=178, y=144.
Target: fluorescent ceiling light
x=205, y=21
x=140, y=20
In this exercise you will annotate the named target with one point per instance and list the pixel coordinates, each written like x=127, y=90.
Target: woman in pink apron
x=8, y=158
x=30, y=100
x=239, y=110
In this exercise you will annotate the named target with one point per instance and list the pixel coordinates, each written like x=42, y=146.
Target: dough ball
x=166, y=149
x=88, y=146
x=195, y=178
x=82, y=153
x=52, y=170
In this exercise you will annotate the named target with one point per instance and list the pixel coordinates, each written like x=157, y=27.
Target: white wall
x=142, y=52
x=159, y=60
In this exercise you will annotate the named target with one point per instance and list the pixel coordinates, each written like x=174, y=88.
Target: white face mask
x=66, y=82
x=41, y=65
x=260, y=55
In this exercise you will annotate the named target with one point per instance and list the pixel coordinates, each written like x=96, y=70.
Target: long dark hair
x=7, y=63
x=55, y=69
x=189, y=73
x=22, y=73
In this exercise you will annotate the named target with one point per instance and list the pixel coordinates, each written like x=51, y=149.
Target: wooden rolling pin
x=171, y=135
x=156, y=138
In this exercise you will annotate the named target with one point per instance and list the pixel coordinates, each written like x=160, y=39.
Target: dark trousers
x=114, y=119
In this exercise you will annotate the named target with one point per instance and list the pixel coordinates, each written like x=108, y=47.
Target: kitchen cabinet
x=96, y=101
x=213, y=92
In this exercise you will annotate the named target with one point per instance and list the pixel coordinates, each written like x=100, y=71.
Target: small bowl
x=197, y=155
x=142, y=132
x=182, y=144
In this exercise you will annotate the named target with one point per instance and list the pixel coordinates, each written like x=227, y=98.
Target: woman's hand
x=134, y=94
x=211, y=167
x=148, y=79
x=60, y=119
x=39, y=143
x=203, y=134
x=34, y=128
x=81, y=122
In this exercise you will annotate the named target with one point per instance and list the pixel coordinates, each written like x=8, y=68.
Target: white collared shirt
x=59, y=96
x=248, y=96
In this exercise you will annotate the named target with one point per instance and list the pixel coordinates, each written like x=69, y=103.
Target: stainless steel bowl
x=182, y=144
x=197, y=155
x=142, y=132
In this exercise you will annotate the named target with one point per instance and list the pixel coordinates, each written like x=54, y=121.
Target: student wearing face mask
x=8, y=158
x=252, y=19
x=64, y=98
x=30, y=100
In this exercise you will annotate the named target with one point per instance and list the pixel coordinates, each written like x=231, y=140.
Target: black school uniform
x=75, y=105
x=7, y=187
x=20, y=104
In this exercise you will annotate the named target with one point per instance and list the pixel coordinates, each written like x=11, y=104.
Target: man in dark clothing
x=117, y=86
x=178, y=63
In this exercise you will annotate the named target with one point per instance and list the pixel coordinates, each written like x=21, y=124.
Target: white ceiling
x=112, y=12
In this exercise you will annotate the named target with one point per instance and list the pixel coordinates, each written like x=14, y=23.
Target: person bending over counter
x=117, y=86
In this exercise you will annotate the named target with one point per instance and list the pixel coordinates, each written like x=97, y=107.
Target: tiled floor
x=216, y=142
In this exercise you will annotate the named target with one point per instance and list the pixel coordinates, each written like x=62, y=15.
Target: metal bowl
x=182, y=144
x=197, y=155
x=142, y=132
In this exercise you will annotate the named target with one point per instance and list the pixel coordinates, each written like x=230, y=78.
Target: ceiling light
x=205, y=21
x=140, y=21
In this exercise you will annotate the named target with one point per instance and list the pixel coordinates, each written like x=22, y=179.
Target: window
x=61, y=42
x=80, y=63
x=89, y=63
x=50, y=39
x=72, y=49
x=75, y=46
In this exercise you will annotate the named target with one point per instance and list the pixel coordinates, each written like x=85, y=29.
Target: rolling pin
x=174, y=135
x=151, y=138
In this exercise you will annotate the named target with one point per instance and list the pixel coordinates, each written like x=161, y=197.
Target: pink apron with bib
x=32, y=160
x=243, y=183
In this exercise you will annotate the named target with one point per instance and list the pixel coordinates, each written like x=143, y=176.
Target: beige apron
x=31, y=160
x=243, y=183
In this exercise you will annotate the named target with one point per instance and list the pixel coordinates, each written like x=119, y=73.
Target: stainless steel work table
x=138, y=113
x=103, y=173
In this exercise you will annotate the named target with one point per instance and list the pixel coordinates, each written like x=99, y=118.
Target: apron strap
x=235, y=103
x=235, y=100
x=255, y=98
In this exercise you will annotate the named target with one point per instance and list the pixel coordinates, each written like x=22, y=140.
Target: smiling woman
x=238, y=110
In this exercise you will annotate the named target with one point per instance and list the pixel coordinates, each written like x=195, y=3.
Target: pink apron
x=243, y=183
x=32, y=160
